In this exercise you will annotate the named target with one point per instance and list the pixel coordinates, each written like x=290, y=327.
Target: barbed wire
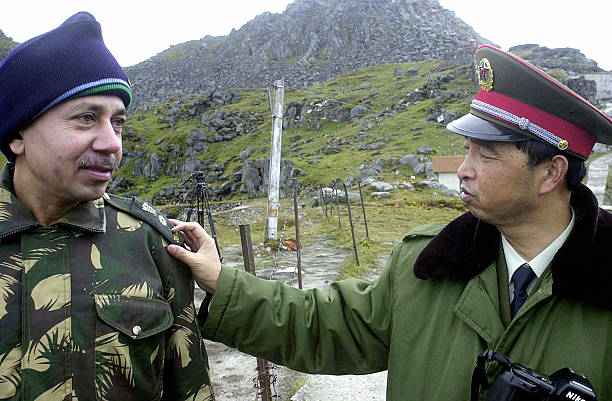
x=267, y=378
x=280, y=240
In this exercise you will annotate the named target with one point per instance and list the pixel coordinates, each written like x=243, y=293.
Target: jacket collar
x=14, y=218
x=581, y=269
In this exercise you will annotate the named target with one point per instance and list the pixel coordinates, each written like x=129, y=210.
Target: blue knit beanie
x=67, y=62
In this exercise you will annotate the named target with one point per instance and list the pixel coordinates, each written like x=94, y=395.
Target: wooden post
x=263, y=372
x=365, y=221
x=348, y=204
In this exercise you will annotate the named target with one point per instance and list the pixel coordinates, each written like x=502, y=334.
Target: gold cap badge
x=485, y=75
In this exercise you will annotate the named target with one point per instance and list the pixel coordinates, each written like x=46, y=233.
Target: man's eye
x=86, y=118
x=118, y=123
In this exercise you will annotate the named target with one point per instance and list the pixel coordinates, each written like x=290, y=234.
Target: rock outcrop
x=569, y=60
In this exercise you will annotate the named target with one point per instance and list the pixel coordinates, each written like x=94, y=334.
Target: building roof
x=446, y=164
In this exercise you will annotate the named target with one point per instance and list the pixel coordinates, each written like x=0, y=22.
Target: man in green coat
x=92, y=307
x=525, y=272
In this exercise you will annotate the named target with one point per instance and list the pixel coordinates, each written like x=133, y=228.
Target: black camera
x=518, y=383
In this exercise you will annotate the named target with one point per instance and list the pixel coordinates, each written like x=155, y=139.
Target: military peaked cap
x=517, y=101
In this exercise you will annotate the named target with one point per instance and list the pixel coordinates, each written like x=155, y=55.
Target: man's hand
x=202, y=255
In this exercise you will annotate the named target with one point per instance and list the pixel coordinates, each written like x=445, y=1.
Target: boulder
x=246, y=153
x=366, y=125
x=154, y=168
x=358, y=111
x=369, y=172
x=330, y=150
x=425, y=150
x=330, y=196
x=250, y=181
x=224, y=189
x=380, y=186
x=411, y=72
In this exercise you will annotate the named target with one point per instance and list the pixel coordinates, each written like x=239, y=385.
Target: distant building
x=446, y=167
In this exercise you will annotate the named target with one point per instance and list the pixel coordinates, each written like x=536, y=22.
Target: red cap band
x=579, y=140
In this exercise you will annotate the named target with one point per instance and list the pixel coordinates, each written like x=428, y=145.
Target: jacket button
x=136, y=330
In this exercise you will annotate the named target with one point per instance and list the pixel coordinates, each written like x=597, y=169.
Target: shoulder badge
x=147, y=213
x=148, y=208
x=485, y=75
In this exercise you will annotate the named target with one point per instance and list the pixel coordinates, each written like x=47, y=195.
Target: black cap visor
x=475, y=127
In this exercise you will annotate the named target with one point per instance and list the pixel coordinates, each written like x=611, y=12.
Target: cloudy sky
x=134, y=31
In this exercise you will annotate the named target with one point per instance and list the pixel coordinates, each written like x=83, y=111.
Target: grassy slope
x=395, y=131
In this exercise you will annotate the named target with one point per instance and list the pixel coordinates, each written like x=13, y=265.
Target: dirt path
x=233, y=372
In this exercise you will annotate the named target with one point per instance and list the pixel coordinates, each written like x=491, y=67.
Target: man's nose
x=465, y=170
x=107, y=139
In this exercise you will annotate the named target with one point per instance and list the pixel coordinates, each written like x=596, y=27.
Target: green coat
x=426, y=331
x=94, y=307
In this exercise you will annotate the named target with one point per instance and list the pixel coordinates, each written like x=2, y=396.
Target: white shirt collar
x=543, y=259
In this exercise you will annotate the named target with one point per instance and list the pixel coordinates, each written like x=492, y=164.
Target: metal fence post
x=297, y=239
x=348, y=204
x=365, y=221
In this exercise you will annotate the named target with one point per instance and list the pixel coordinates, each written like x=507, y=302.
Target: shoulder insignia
x=147, y=213
x=148, y=208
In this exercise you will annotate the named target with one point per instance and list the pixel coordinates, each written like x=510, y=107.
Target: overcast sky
x=135, y=31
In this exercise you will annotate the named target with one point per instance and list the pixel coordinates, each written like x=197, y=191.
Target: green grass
x=296, y=386
x=388, y=221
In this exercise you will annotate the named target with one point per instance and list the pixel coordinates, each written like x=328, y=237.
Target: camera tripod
x=199, y=200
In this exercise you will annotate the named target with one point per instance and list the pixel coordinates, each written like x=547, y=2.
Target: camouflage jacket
x=94, y=307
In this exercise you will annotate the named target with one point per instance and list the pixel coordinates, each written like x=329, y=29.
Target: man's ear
x=554, y=172
x=16, y=144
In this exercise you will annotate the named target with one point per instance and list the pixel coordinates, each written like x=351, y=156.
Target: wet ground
x=233, y=373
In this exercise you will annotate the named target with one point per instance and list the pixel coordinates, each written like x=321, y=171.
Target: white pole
x=275, y=158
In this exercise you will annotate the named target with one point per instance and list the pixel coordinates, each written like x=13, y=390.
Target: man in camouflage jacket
x=92, y=306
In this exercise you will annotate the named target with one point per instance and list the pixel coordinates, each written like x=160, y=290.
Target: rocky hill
x=311, y=42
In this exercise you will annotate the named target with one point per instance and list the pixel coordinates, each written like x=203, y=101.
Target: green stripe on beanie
x=100, y=90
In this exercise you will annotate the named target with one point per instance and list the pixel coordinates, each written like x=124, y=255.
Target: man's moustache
x=99, y=162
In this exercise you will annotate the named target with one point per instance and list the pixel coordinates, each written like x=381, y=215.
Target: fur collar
x=581, y=269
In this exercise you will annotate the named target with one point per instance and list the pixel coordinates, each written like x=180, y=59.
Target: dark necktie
x=521, y=279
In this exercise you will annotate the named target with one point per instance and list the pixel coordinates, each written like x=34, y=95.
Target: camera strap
x=479, y=376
